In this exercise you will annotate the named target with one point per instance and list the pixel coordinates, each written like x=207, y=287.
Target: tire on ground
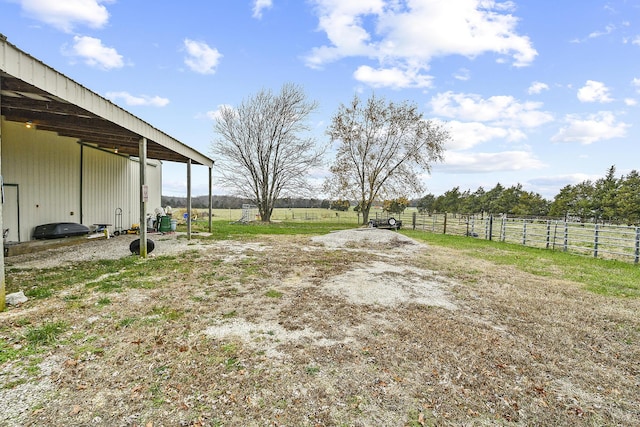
x=134, y=247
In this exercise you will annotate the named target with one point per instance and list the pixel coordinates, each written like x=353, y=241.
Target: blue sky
x=538, y=92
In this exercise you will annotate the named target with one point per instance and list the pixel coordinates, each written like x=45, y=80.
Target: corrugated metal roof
x=33, y=92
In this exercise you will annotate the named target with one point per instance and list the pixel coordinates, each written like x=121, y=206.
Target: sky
x=542, y=93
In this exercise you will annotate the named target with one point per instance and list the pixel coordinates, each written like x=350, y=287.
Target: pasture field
x=315, y=323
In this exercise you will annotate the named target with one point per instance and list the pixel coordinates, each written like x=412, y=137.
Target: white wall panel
x=46, y=169
x=60, y=180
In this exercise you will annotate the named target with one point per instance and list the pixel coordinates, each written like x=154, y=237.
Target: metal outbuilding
x=96, y=153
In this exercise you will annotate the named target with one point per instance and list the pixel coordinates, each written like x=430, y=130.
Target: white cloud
x=142, y=100
x=462, y=74
x=215, y=114
x=636, y=83
x=95, y=53
x=607, y=30
x=201, y=58
x=630, y=102
x=468, y=135
x=259, y=6
x=594, y=91
x=392, y=77
x=65, y=14
x=499, y=110
x=408, y=35
x=595, y=127
x=459, y=162
x=537, y=87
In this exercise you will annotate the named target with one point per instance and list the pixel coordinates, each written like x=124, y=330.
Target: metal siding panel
x=45, y=167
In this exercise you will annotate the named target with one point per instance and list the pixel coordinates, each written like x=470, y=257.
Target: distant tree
x=531, y=204
x=326, y=204
x=340, y=205
x=605, y=196
x=261, y=151
x=563, y=202
x=491, y=199
x=583, y=201
x=395, y=206
x=450, y=201
x=383, y=148
x=629, y=198
x=426, y=204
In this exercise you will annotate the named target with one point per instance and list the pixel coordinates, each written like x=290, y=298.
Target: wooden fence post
x=444, y=231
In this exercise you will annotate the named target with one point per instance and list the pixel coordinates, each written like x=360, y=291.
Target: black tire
x=116, y=233
x=134, y=247
x=391, y=221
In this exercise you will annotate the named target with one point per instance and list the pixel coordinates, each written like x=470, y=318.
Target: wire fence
x=598, y=240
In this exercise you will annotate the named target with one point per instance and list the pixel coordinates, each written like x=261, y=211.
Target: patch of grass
x=272, y=293
x=312, y=370
x=39, y=292
x=229, y=314
x=7, y=351
x=605, y=277
x=46, y=334
x=167, y=313
x=127, y=321
x=223, y=230
x=103, y=301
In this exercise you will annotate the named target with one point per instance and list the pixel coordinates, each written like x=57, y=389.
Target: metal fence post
x=637, y=257
x=524, y=232
x=565, y=246
x=490, y=227
x=503, y=230
x=548, y=233
x=595, y=241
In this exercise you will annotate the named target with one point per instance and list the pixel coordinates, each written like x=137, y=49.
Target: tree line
x=608, y=199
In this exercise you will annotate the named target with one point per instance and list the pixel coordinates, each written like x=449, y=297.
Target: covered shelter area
x=91, y=154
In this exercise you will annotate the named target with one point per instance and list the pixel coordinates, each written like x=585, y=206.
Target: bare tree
x=261, y=151
x=383, y=149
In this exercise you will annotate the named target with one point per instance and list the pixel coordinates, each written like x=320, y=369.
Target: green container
x=165, y=224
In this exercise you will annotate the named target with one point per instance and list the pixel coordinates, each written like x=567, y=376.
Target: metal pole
x=2, y=285
x=142, y=148
x=189, y=199
x=637, y=257
x=210, y=199
x=548, y=233
x=595, y=241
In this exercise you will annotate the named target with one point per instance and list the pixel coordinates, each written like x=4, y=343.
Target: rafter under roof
x=31, y=91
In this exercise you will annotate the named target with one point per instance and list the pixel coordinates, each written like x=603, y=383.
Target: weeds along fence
x=597, y=240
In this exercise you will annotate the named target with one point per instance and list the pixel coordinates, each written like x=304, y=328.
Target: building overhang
x=37, y=95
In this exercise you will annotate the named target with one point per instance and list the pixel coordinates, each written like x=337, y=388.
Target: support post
x=142, y=148
x=189, y=199
x=210, y=199
x=3, y=297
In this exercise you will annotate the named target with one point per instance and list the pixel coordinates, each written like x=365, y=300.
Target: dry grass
x=269, y=335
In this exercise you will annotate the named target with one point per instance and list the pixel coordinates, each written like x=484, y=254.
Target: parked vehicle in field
x=389, y=223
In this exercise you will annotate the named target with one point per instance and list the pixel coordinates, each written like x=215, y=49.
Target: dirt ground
x=355, y=328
